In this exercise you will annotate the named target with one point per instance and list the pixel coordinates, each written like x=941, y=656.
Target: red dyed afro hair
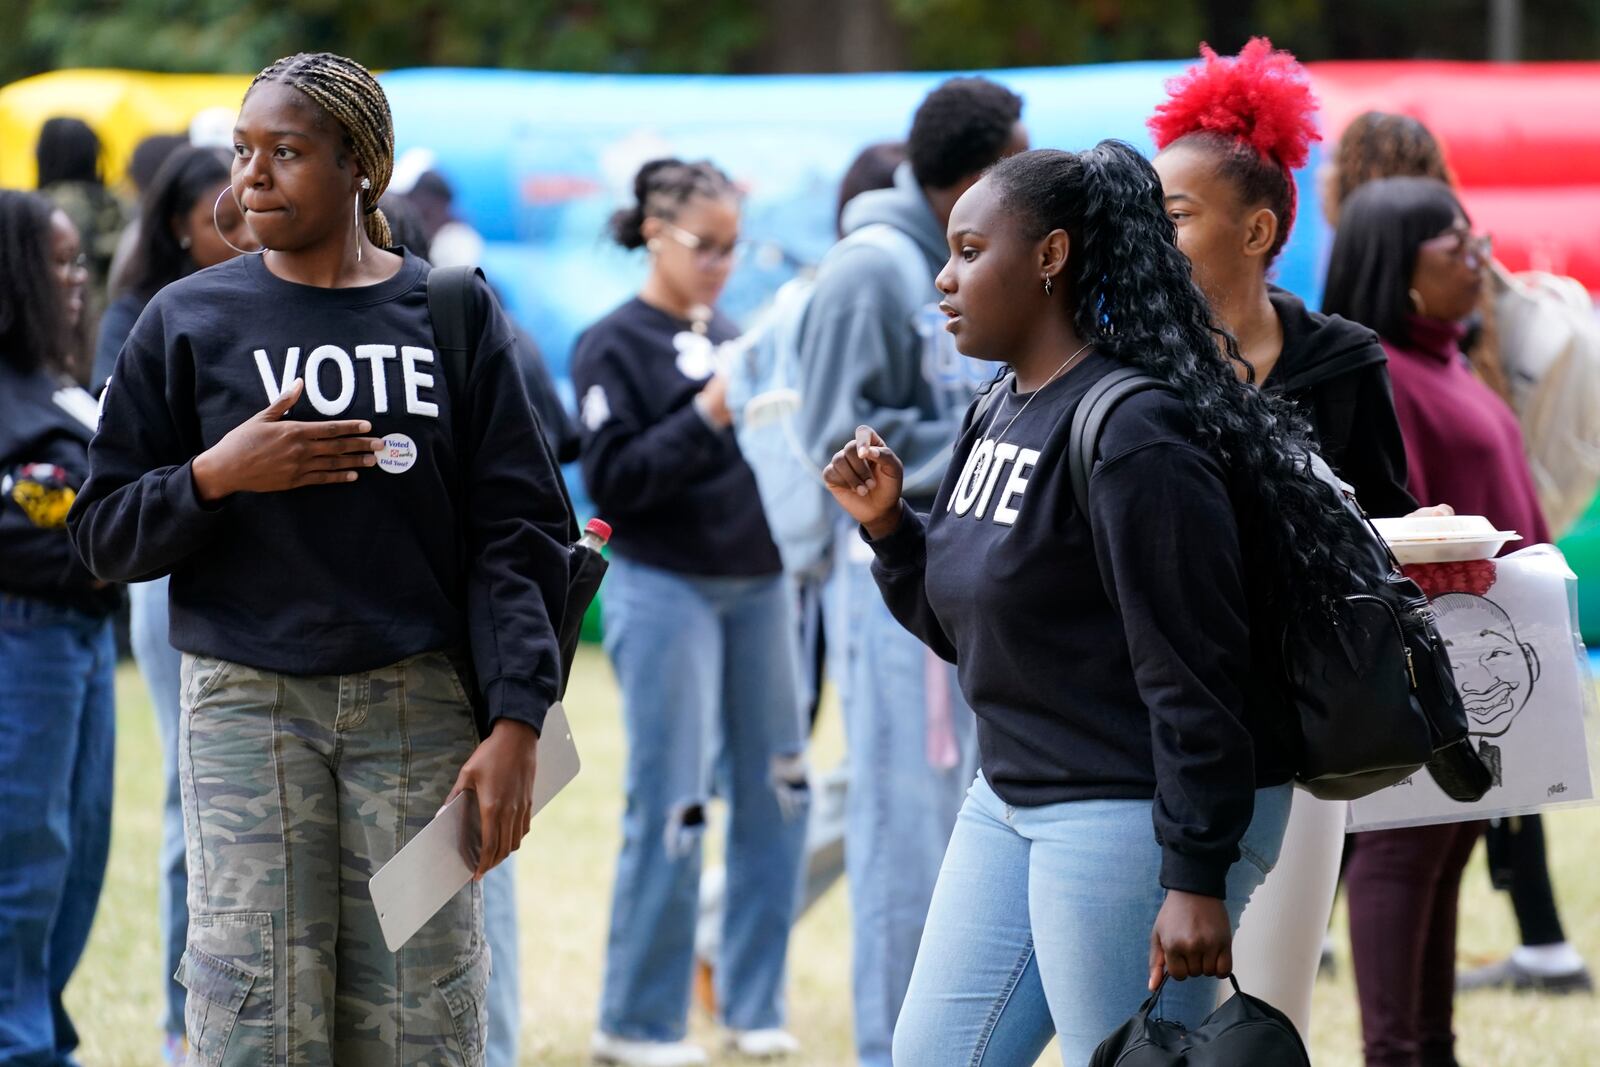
x=1261, y=97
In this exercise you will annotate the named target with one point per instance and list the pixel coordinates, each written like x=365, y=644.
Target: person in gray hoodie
x=872, y=350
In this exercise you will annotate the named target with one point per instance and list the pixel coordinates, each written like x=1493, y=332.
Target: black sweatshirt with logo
x=333, y=579
x=1107, y=655
x=678, y=490
x=45, y=425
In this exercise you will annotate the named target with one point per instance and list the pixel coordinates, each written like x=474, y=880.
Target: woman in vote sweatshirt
x=1135, y=768
x=357, y=557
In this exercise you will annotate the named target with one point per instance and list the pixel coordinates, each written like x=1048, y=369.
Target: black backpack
x=1374, y=696
x=456, y=328
x=1244, y=1032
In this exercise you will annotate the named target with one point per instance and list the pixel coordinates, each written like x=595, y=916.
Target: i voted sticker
x=398, y=455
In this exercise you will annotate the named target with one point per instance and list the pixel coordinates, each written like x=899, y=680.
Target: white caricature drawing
x=1495, y=671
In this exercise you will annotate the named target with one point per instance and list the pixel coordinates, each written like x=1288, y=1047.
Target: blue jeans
x=161, y=664
x=710, y=700
x=1041, y=926
x=57, y=744
x=902, y=804
x=505, y=987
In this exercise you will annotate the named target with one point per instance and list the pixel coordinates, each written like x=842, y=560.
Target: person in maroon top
x=1463, y=444
x=1406, y=263
x=1377, y=145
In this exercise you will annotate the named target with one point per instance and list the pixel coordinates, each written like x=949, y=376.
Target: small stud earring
x=366, y=183
x=184, y=243
x=654, y=244
x=1046, y=285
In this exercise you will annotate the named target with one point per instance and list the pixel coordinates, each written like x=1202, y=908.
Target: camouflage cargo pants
x=295, y=790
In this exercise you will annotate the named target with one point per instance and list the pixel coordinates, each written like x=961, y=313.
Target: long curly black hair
x=1134, y=299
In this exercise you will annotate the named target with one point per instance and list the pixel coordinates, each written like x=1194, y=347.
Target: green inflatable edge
x=1581, y=546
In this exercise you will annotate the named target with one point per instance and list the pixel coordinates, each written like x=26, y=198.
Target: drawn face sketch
x=1495, y=672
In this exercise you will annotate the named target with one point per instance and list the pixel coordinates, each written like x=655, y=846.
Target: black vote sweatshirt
x=345, y=578
x=1337, y=373
x=679, y=492
x=1108, y=655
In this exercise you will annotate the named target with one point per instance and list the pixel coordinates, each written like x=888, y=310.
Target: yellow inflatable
x=123, y=106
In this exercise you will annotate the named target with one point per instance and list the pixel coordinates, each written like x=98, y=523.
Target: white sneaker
x=763, y=1044
x=624, y=1053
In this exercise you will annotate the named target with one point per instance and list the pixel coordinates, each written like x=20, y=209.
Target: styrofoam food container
x=1443, y=538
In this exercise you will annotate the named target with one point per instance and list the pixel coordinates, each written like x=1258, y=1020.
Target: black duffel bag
x=1244, y=1032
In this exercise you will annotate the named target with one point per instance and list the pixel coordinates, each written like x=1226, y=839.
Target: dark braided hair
x=33, y=316
x=348, y=93
x=1254, y=115
x=1134, y=300
x=661, y=189
x=1377, y=144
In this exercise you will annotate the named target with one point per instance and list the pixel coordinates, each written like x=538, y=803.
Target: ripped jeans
x=710, y=697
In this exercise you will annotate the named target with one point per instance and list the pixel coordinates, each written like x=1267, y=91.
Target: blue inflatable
x=539, y=161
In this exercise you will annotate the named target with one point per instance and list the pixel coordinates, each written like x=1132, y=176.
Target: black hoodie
x=1337, y=373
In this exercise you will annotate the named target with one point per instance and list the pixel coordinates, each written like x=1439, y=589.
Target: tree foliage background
x=723, y=36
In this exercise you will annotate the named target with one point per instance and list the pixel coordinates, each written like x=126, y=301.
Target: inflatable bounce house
x=538, y=161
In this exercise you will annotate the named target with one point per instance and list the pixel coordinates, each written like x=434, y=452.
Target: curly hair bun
x=1261, y=97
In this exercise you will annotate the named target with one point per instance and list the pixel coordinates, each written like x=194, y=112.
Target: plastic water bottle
x=596, y=532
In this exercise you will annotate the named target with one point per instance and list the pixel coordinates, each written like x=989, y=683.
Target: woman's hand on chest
x=267, y=454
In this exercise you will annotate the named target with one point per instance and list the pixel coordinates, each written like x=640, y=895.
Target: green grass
x=564, y=878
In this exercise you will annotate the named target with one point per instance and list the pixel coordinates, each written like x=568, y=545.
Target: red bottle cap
x=600, y=528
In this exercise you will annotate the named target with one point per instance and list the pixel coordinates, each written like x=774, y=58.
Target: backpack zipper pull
x=1411, y=668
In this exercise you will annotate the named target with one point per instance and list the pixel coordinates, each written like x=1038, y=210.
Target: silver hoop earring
x=1047, y=285
x=358, y=220
x=217, y=207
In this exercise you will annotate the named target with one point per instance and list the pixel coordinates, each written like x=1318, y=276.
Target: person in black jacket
x=700, y=628
x=358, y=556
x=1120, y=662
x=57, y=654
x=1230, y=134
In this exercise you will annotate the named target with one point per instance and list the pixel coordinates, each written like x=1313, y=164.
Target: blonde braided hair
x=347, y=91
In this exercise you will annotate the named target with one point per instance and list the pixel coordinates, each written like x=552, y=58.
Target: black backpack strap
x=450, y=308
x=456, y=330
x=1090, y=418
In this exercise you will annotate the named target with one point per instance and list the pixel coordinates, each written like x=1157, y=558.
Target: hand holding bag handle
x=1244, y=1031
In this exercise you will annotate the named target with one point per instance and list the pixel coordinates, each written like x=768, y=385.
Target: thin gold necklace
x=1059, y=371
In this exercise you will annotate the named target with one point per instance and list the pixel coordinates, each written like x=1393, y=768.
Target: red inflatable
x=1523, y=140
